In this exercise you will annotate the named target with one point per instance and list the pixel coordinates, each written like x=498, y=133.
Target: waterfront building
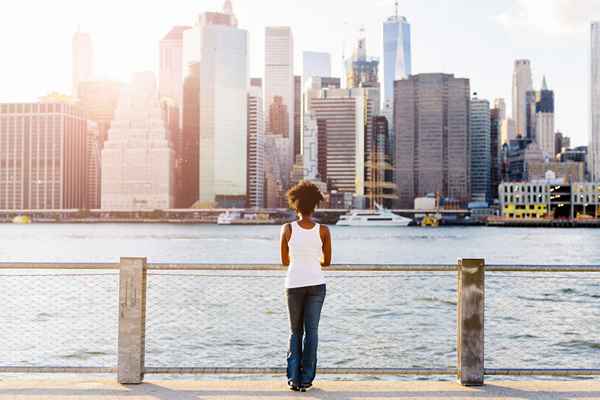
x=256, y=148
x=220, y=50
x=43, y=156
x=481, y=146
x=594, y=141
x=170, y=75
x=297, y=115
x=137, y=159
x=549, y=198
x=522, y=83
x=315, y=64
x=432, y=137
x=495, y=150
x=188, y=163
x=83, y=60
x=279, y=93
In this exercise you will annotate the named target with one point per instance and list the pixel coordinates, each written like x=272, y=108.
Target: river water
x=238, y=319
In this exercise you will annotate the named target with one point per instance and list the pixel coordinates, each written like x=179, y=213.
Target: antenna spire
x=397, y=14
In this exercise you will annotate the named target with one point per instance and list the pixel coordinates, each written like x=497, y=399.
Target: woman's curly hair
x=304, y=197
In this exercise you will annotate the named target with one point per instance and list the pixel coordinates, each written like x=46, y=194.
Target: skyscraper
x=297, y=115
x=315, y=64
x=341, y=119
x=83, y=60
x=137, y=159
x=397, y=59
x=221, y=51
x=279, y=92
x=361, y=70
x=500, y=105
x=495, y=150
x=94, y=166
x=170, y=76
x=544, y=125
x=481, y=150
x=188, y=165
x=522, y=83
x=594, y=143
x=256, y=148
x=43, y=156
x=432, y=137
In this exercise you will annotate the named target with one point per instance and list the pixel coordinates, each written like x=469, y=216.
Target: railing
x=178, y=318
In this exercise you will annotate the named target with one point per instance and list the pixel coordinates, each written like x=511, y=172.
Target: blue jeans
x=304, y=311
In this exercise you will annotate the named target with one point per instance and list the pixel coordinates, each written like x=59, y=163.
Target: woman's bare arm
x=326, y=239
x=286, y=234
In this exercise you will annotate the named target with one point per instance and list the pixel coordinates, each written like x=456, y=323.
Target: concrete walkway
x=200, y=390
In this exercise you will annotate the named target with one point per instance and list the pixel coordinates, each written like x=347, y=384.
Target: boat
x=21, y=219
x=233, y=217
x=378, y=217
x=432, y=221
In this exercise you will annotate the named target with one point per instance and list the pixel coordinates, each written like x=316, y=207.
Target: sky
x=473, y=39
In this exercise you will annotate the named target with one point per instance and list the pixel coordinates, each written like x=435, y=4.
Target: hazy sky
x=470, y=38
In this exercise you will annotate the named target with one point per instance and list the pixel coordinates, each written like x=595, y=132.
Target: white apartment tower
x=594, y=144
x=83, y=60
x=279, y=91
x=220, y=50
x=522, y=83
x=137, y=159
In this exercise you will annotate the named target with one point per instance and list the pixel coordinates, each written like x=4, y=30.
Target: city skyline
x=504, y=25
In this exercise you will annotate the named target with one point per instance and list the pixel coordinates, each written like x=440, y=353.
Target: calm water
x=239, y=319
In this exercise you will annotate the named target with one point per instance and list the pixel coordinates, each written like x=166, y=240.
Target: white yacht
x=379, y=217
x=229, y=217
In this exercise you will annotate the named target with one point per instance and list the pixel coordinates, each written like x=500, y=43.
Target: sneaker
x=306, y=387
x=293, y=387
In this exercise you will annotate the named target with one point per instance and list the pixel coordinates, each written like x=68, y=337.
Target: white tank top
x=305, y=257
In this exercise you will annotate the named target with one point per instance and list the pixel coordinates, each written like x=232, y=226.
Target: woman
x=305, y=248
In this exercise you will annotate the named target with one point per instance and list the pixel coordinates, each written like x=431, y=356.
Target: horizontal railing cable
x=279, y=371
x=277, y=267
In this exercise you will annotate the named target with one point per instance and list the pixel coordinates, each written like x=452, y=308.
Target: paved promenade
x=200, y=390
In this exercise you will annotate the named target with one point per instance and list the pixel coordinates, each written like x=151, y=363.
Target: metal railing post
x=132, y=320
x=470, y=321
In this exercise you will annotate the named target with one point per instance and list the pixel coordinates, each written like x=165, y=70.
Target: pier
x=136, y=294
x=272, y=390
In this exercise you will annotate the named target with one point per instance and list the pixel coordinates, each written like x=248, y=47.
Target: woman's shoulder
x=323, y=229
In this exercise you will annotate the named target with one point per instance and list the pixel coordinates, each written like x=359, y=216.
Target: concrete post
x=470, y=321
x=132, y=320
